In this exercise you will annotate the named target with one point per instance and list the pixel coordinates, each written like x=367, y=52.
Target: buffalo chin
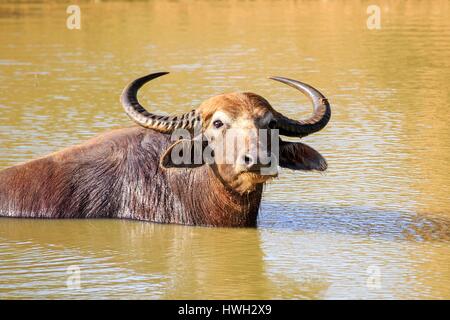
x=247, y=182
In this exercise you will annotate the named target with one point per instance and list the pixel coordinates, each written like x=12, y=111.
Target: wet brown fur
x=236, y=105
x=117, y=175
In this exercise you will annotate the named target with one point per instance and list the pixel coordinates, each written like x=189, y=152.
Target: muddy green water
x=376, y=225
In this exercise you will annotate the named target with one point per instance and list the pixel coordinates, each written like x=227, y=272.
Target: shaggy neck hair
x=115, y=176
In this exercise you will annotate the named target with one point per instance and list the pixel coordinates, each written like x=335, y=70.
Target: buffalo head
x=235, y=133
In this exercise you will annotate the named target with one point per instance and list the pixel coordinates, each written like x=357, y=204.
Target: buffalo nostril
x=248, y=160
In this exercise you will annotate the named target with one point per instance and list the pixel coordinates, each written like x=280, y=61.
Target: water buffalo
x=131, y=173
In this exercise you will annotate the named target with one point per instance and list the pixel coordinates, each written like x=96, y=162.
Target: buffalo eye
x=217, y=124
x=272, y=124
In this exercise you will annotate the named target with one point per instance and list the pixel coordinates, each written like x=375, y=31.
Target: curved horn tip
x=290, y=82
x=140, y=115
x=306, y=88
x=280, y=78
x=160, y=73
x=314, y=123
x=287, y=80
x=156, y=74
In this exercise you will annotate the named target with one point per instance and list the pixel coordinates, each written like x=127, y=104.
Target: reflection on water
x=142, y=260
x=383, y=202
x=308, y=255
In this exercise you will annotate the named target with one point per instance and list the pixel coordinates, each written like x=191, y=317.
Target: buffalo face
x=236, y=134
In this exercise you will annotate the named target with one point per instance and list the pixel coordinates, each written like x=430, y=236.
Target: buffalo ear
x=184, y=153
x=299, y=156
